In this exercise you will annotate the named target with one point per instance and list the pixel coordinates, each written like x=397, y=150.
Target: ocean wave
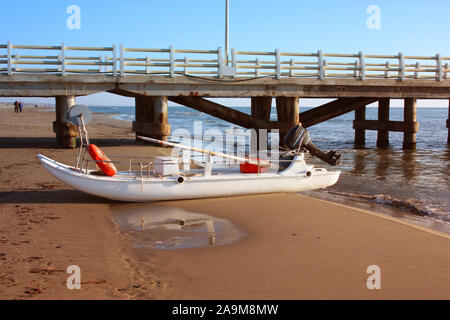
x=124, y=117
x=412, y=205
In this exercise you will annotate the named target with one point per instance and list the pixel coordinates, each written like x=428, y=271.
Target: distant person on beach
x=20, y=106
x=35, y=106
x=16, y=106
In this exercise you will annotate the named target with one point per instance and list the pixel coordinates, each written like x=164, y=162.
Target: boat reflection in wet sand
x=166, y=227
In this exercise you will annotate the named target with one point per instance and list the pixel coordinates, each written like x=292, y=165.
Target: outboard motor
x=297, y=138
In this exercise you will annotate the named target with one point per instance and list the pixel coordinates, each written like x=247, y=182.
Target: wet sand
x=295, y=248
x=299, y=248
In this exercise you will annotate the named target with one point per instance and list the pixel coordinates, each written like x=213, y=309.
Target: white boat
x=192, y=184
x=168, y=182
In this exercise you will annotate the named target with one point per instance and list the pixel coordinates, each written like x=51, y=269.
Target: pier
x=189, y=77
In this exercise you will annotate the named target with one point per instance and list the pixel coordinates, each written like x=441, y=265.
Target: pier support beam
x=409, y=118
x=260, y=109
x=288, y=114
x=228, y=114
x=66, y=132
x=151, y=117
x=383, y=116
x=332, y=110
x=360, y=134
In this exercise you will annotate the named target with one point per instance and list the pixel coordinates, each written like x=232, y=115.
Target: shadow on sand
x=50, y=142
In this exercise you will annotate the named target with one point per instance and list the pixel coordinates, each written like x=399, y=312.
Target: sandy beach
x=295, y=247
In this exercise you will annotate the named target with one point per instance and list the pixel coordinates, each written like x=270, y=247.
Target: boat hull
x=136, y=189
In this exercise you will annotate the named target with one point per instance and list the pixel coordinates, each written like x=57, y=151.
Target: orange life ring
x=102, y=160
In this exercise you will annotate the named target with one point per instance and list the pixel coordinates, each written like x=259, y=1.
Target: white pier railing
x=122, y=61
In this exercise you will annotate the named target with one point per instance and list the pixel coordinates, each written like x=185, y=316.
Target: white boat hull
x=133, y=188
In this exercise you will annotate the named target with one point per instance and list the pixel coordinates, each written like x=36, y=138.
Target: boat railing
x=144, y=168
x=84, y=164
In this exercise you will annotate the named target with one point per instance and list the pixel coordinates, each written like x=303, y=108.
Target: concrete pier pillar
x=66, y=132
x=260, y=108
x=360, y=134
x=409, y=117
x=151, y=117
x=383, y=115
x=288, y=114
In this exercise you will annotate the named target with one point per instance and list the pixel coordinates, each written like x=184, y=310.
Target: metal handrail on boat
x=85, y=163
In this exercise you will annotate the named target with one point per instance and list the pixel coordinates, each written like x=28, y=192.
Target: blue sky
x=411, y=26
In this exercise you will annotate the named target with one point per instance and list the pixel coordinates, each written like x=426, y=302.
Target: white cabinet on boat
x=165, y=166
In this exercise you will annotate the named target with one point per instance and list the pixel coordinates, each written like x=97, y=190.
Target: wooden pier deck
x=188, y=77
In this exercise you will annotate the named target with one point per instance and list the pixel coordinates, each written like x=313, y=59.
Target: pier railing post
x=186, y=61
x=172, y=61
x=8, y=52
x=114, y=59
x=362, y=66
x=257, y=64
x=278, y=63
x=356, y=69
x=234, y=62
x=291, y=70
x=122, y=61
x=386, y=72
x=147, y=62
x=401, y=67
x=59, y=62
x=220, y=63
x=416, y=73
x=100, y=60
x=105, y=67
x=63, y=60
x=439, y=71
x=321, y=71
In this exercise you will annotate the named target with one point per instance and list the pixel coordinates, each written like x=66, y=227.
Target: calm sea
x=414, y=181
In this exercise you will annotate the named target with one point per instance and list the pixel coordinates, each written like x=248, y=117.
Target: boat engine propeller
x=297, y=138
